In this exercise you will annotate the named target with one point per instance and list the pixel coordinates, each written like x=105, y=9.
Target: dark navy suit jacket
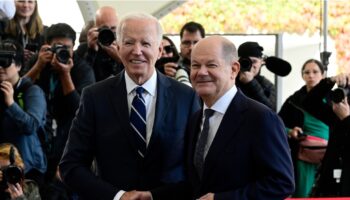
x=101, y=130
x=249, y=157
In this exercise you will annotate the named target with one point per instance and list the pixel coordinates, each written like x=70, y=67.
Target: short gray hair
x=140, y=16
x=229, y=51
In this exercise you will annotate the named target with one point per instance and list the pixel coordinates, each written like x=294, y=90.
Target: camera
x=11, y=174
x=337, y=95
x=246, y=64
x=62, y=53
x=105, y=36
x=6, y=58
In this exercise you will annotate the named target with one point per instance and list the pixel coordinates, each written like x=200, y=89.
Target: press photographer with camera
x=100, y=50
x=249, y=80
x=62, y=76
x=169, y=53
x=333, y=177
x=179, y=69
x=22, y=110
x=13, y=185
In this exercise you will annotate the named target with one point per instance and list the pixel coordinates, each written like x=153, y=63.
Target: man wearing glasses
x=190, y=34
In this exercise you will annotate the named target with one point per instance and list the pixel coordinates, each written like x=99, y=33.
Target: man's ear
x=160, y=50
x=235, y=67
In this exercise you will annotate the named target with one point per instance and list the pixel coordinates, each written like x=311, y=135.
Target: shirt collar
x=223, y=102
x=150, y=85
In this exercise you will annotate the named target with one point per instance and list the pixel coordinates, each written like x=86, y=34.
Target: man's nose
x=137, y=49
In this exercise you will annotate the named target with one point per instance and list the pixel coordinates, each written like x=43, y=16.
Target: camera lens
x=106, y=36
x=62, y=55
x=337, y=95
x=12, y=174
x=246, y=64
x=168, y=49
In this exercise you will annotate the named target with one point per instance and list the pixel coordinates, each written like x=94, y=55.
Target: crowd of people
x=127, y=116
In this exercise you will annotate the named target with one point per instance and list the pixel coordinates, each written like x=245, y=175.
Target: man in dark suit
x=105, y=128
x=237, y=147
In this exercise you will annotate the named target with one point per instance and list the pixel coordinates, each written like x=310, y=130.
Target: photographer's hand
x=294, y=133
x=61, y=68
x=44, y=57
x=92, y=38
x=28, y=54
x=246, y=77
x=341, y=109
x=64, y=74
x=7, y=88
x=341, y=80
x=170, y=69
x=112, y=51
x=15, y=191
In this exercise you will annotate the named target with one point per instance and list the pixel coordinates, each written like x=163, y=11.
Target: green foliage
x=267, y=16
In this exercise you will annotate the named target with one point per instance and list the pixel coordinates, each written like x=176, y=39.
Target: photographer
x=62, y=76
x=100, y=50
x=250, y=81
x=12, y=183
x=169, y=53
x=334, y=174
x=333, y=178
x=22, y=110
x=190, y=34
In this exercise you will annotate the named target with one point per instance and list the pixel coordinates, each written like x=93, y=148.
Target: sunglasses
x=168, y=49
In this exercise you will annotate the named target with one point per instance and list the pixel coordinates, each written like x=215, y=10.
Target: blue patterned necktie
x=138, y=120
x=202, y=142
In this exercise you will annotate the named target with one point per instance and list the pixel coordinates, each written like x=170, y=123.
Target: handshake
x=136, y=195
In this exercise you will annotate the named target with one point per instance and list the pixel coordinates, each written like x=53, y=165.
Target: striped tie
x=138, y=120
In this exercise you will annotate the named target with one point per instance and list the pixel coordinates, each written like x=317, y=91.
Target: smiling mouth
x=137, y=62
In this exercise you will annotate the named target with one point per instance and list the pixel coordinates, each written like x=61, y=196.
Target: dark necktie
x=138, y=120
x=202, y=142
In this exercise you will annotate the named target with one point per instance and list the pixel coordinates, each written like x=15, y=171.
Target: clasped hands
x=146, y=195
x=137, y=195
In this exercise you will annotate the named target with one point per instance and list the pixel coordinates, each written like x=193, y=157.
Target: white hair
x=139, y=16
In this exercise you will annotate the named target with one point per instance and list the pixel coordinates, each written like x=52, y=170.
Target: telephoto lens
x=246, y=64
x=105, y=36
x=337, y=95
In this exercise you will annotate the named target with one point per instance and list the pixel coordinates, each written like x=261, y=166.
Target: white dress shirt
x=220, y=107
x=150, y=97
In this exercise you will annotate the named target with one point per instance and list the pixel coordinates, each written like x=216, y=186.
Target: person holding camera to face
x=62, y=76
x=333, y=175
x=190, y=34
x=13, y=185
x=22, y=110
x=100, y=50
x=250, y=81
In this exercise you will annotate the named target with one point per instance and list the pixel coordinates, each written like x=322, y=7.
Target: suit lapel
x=227, y=129
x=118, y=96
x=164, y=96
x=192, y=138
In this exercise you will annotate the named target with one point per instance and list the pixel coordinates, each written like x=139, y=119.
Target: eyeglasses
x=168, y=49
x=188, y=43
